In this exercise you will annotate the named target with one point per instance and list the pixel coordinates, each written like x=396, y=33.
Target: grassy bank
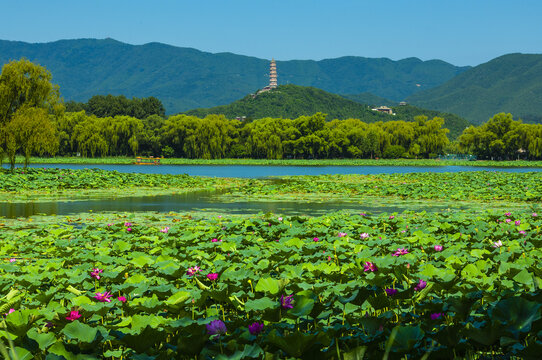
x=290, y=162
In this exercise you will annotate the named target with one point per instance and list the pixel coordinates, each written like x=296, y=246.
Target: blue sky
x=458, y=31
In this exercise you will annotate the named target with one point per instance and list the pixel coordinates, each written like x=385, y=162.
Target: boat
x=147, y=161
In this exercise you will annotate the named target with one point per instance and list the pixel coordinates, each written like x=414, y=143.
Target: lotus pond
x=439, y=285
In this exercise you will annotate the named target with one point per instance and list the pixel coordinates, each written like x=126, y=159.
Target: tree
x=23, y=86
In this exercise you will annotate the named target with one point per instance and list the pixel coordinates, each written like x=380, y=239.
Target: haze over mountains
x=185, y=78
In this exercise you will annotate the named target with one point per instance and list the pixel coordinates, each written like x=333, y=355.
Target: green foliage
x=185, y=78
x=510, y=83
x=503, y=138
x=111, y=106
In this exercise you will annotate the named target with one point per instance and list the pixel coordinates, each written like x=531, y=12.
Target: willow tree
x=23, y=86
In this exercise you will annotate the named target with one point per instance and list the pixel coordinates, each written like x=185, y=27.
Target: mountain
x=371, y=99
x=186, y=78
x=292, y=101
x=510, y=83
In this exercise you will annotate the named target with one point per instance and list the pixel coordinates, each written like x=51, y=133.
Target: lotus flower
x=438, y=247
x=364, y=235
x=280, y=219
x=420, y=285
x=315, y=239
x=369, y=266
x=103, y=297
x=255, y=328
x=74, y=315
x=507, y=220
x=342, y=234
x=517, y=222
x=363, y=214
x=127, y=224
x=10, y=311
x=95, y=273
x=523, y=232
x=193, y=270
x=392, y=217
x=165, y=230
x=435, y=316
x=122, y=299
x=534, y=214
x=508, y=214
x=12, y=260
x=400, y=251
x=129, y=229
x=215, y=240
x=497, y=244
x=216, y=327
x=390, y=292
x=212, y=276
x=286, y=302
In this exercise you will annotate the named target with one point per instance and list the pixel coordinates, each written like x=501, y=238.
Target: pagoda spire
x=273, y=74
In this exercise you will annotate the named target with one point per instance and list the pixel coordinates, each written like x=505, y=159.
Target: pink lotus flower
x=315, y=239
x=523, y=232
x=9, y=312
x=255, y=328
x=216, y=327
x=74, y=315
x=95, y=273
x=400, y=251
x=517, y=222
x=215, y=240
x=342, y=234
x=497, y=244
x=122, y=299
x=165, y=230
x=193, y=270
x=127, y=224
x=212, y=276
x=438, y=247
x=12, y=260
x=390, y=292
x=369, y=266
x=534, y=214
x=129, y=229
x=392, y=217
x=363, y=214
x=109, y=224
x=421, y=285
x=435, y=316
x=364, y=235
x=286, y=302
x=280, y=219
x=103, y=297
x=508, y=214
x=507, y=220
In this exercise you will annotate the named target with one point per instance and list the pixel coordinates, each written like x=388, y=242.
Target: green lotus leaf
x=80, y=332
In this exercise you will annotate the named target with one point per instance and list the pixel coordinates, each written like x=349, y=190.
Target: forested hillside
x=510, y=84
x=186, y=78
x=291, y=101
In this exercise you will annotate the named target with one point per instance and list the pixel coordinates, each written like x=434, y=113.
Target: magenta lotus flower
x=438, y=247
x=315, y=239
x=255, y=328
x=10, y=311
x=517, y=222
x=127, y=224
x=129, y=229
x=215, y=240
x=165, y=230
x=212, y=276
x=109, y=225
x=435, y=316
x=363, y=214
x=12, y=260
x=390, y=291
x=523, y=232
x=286, y=301
x=392, y=217
x=497, y=244
x=74, y=315
x=369, y=266
x=280, y=219
x=534, y=215
x=507, y=221
x=342, y=234
x=122, y=299
x=364, y=235
x=400, y=251
x=95, y=273
x=193, y=270
x=103, y=297
x=420, y=285
x=216, y=327
x=508, y=214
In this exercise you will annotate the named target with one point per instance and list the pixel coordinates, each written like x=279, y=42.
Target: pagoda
x=273, y=74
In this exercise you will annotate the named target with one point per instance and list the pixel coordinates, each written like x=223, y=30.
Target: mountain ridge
x=185, y=78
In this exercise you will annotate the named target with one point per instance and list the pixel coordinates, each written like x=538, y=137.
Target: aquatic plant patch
x=163, y=286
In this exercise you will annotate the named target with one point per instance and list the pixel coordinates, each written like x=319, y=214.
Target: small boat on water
x=147, y=161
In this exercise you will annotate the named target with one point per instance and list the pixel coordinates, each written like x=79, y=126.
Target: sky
x=461, y=32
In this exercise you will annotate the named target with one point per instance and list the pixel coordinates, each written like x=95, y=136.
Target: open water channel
x=211, y=201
